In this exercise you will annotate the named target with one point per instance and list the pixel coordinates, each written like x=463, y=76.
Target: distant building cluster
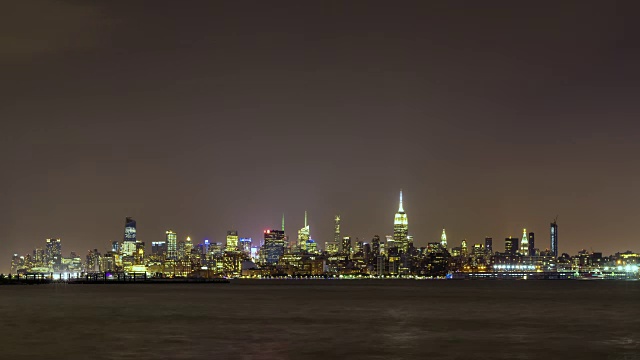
x=278, y=255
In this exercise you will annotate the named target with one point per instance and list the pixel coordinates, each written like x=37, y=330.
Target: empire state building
x=401, y=228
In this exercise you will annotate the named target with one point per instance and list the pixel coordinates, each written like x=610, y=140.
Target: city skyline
x=130, y=236
x=400, y=237
x=220, y=116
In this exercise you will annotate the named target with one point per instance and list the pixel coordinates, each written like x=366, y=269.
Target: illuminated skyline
x=221, y=116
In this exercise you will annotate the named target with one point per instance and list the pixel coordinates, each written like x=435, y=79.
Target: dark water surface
x=323, y=319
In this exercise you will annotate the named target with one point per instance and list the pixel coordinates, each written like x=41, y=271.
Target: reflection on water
x=329, y=319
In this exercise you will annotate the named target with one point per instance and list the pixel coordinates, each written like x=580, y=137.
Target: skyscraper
x=172, y=245
x=524, y=243
x=159, y=249
x=54, y=253
x=532, y=244
x=375, y=245
x=232, y=240
x=336, y=230
x=130, y=230
x=554, y=237
x=130, y=237
x=443, y=239
x=274, y=244
x=245, y=245
x=346, y=245
x=511, y=245
x=401, y=228
x=488, y=245
x=304, y=235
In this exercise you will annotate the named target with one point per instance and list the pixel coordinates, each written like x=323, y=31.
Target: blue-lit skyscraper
x=245, y=245
x=554, y=238
x=130, y=230
x=129, y=243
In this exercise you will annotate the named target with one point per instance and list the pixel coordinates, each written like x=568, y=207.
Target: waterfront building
x=401, y=228
x=524, y=243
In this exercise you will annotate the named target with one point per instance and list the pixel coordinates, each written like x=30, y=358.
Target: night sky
x=209, y=116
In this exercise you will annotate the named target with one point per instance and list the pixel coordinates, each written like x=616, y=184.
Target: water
x=323, y=319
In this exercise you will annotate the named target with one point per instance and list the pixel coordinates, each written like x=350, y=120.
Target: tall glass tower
x=443, y=239
x=54, y=252
x=130, y=237
x=554, y=238
x=130, y=230
x=401, y=228
x=172, y=246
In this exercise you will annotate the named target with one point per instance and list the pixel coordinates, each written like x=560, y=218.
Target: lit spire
x=305, y=218
x=400, y=209
x=282, y=222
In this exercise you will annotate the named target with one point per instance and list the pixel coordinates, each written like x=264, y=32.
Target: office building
x=232, y=240
x=172, y=245
x=511, y=245
x=274, y=245
x=532, y=244
x=54, y=253
x=159, y=249
x=375, y=245
x=245, y=246
x=488, y=245
x=346, y=245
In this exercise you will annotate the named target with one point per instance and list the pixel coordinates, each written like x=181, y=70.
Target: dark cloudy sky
x=206, y=116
